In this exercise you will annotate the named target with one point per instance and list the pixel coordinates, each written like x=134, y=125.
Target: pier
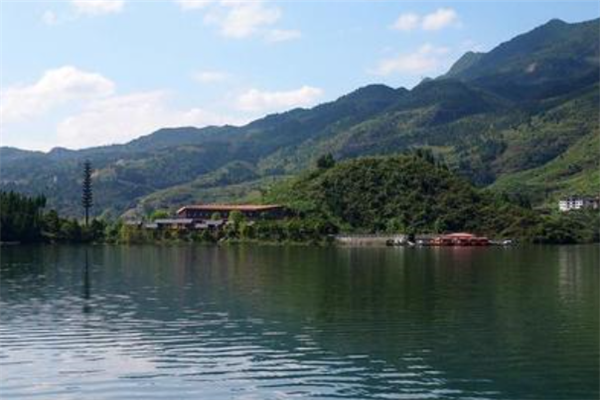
x=367, y=239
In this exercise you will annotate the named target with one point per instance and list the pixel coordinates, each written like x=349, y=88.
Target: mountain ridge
x=486, y=123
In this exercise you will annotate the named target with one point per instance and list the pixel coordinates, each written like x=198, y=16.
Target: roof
x=230, y=207
x=463, y=235
x=581, y=198
x=459, y=234
x=174, y=221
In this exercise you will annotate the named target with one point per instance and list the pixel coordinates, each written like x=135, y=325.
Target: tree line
x=24, y=219
x=413, y=193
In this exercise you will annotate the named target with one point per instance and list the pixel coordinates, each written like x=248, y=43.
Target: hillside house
x=579, y=203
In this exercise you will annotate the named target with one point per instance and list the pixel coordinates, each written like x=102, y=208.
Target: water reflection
x=87, y=285
x=268, y=322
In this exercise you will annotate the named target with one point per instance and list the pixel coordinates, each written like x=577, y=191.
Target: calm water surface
x=322, y=323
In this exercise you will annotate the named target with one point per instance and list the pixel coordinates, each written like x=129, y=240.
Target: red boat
x=460, y=239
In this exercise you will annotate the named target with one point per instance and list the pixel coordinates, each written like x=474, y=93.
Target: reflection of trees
x=576, y=278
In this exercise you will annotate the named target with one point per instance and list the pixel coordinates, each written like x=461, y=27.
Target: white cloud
x=84, y=8
x=407, y=22
x=49, y=18
x=440, y=19
x=257, y=100
x=86, y=110
x=427, y=58
x=98, y=7
x=239, y=19
x=437, y=20
x=56, y=87
x=210, y=76
x=282, y=35
x=193, y=4
x=118, y=119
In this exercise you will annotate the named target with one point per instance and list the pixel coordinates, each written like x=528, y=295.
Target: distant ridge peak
x=374, y=88
x=556, y=21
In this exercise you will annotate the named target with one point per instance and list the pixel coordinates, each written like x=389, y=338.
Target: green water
x=272, y=322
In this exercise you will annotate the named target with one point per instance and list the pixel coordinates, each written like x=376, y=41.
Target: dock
x=370, y=239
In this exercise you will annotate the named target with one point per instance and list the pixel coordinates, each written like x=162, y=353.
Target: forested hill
x=415, y=193
x=520, y=118
x=398, y=194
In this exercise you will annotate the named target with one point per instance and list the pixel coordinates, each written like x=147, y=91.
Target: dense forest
x=415, y=193
x=23, y=219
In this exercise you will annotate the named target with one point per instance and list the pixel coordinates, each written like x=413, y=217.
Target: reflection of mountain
x=351, y=322
x=522, y=117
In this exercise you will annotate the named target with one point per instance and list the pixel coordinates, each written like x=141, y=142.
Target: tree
x=326, y=161
x=96, y=230
x=87, y=197
x=425, y=154
x=21, y=217
x=52, y=223
x=236, y=217
x=159, y=214
x=70, y=230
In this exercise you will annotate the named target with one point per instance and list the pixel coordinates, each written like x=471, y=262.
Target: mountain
x=573, y=171
x=468, y=59
x=520, y=118
x=550, y=60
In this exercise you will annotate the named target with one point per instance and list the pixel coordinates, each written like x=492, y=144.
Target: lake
x=260, y=322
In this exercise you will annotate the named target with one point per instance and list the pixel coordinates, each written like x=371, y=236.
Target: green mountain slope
x=171, y=157
x=575, y=172
x=236, y=180
x=397, y=193
x=550, y=60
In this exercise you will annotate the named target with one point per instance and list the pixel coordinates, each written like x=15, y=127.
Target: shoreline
x=285, y=244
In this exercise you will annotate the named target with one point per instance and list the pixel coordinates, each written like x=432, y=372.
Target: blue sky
x=82, y=73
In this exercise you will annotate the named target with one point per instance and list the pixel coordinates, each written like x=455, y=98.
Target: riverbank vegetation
x=24, y=219
x=289, y=231
x=410, y=193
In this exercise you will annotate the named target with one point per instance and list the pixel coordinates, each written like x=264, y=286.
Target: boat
x=460, y=239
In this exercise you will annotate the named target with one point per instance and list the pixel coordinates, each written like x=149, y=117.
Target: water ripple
x=146, y=328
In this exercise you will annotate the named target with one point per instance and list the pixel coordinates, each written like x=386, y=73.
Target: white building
x=579, y=203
